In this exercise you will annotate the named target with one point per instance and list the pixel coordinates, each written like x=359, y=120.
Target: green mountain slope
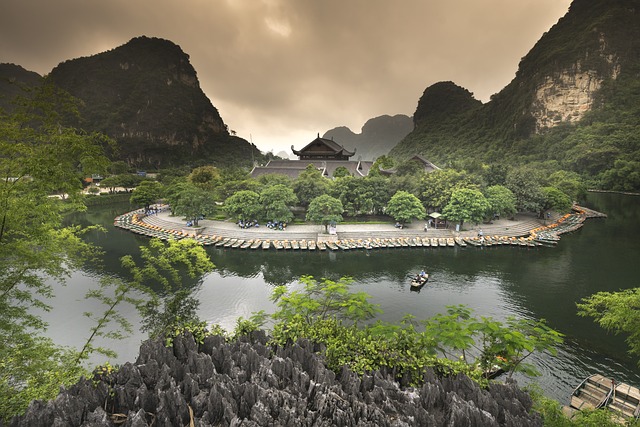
x=575, y=100
x=15, y=81
x=146, y=95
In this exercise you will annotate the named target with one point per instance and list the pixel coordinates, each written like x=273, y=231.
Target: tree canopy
x=325, y=210
x=466, y=205
x=403, y=207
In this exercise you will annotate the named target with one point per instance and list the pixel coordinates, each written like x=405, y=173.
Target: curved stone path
x=524, y=230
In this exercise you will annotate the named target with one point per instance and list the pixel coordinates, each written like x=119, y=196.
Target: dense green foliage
x=404, y=207
x=38, y=157
x=328, y=313
x=618, y=312
x=466, y=205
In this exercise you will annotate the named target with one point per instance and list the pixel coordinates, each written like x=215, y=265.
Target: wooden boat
x=597, y=391
x=230, y=242
x=450, y=242
x=332, y=246
x=295, y=244
x=442, y=241
x=322, y=246
x=303, y=245
x=278, y=245
x=426, y=242
x=460, y=242
x=266, y=244
x=246, y=244
x=256, y=244
x=419, y=281
x=311, y=244
x=403, y=242
x=237, y=243
x=222, y=242
x=287, y=244
x=341, y=244
x=434, y=242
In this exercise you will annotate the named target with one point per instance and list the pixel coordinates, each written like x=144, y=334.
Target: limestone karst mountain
x=575, y=100
x=145, y=94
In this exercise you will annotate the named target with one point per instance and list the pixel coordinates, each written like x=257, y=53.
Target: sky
x=282, y=71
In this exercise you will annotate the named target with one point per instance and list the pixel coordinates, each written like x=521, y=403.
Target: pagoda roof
x=327, y=147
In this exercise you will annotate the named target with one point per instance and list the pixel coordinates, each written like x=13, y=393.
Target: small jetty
x=529, y=233
x=597, y=391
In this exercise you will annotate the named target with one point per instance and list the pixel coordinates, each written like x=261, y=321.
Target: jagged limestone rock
x=247, y=383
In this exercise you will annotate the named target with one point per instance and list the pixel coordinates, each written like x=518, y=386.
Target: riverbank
x=523, y=230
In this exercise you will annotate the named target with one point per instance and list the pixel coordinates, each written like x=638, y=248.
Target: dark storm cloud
x=280, y=71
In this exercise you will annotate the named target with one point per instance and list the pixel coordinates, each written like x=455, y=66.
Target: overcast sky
x=281, y=71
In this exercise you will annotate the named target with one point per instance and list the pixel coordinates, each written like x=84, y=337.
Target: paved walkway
x=521, y=225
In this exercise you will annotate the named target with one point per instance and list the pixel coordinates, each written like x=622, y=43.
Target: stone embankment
x=525, y=230
x=249, y=383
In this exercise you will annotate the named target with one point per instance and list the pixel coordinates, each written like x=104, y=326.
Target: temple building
x=326, y=155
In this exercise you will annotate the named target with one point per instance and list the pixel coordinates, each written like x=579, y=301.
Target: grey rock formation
x=248, y=383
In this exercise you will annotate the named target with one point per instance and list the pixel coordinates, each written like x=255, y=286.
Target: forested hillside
x=146, y=96
x=574, y=104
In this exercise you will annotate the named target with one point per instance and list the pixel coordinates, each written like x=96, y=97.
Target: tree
x=205, y=177
x=276, y=202
x=554, y=199
x=404, y=206
x=618, y=312
x=524, y=183
x=354, y=193
x=377, y=191
x=466, y=205
x=438, y=186
x=39, y=156
x=271, y=179
x=325, y=210
x=309, y=185
x=501, y=201
x=164, y=265
x=623, y=176
x=243, y=205
x=341, y=172
x=173, y=191
x=569, y=183
x=146, y=193
x=193, y=203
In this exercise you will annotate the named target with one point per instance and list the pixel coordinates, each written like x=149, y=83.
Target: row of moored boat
x=547, y=235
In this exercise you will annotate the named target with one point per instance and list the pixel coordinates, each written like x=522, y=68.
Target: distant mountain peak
x=378, y=135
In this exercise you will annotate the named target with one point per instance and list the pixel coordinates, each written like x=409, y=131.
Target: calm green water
x=499, y=282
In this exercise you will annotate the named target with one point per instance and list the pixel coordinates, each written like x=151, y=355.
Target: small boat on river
x=419, y=280
x=597, y=391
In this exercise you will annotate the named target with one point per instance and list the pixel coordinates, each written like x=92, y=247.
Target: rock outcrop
x=248, y=383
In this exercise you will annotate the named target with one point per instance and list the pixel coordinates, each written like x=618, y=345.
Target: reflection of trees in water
x=393, y=265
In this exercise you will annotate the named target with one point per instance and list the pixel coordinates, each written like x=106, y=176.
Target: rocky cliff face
x=247, y=383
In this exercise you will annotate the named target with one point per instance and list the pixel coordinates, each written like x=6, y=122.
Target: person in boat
x=421, y=277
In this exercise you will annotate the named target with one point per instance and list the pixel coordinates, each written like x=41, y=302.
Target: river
x=533, y=283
